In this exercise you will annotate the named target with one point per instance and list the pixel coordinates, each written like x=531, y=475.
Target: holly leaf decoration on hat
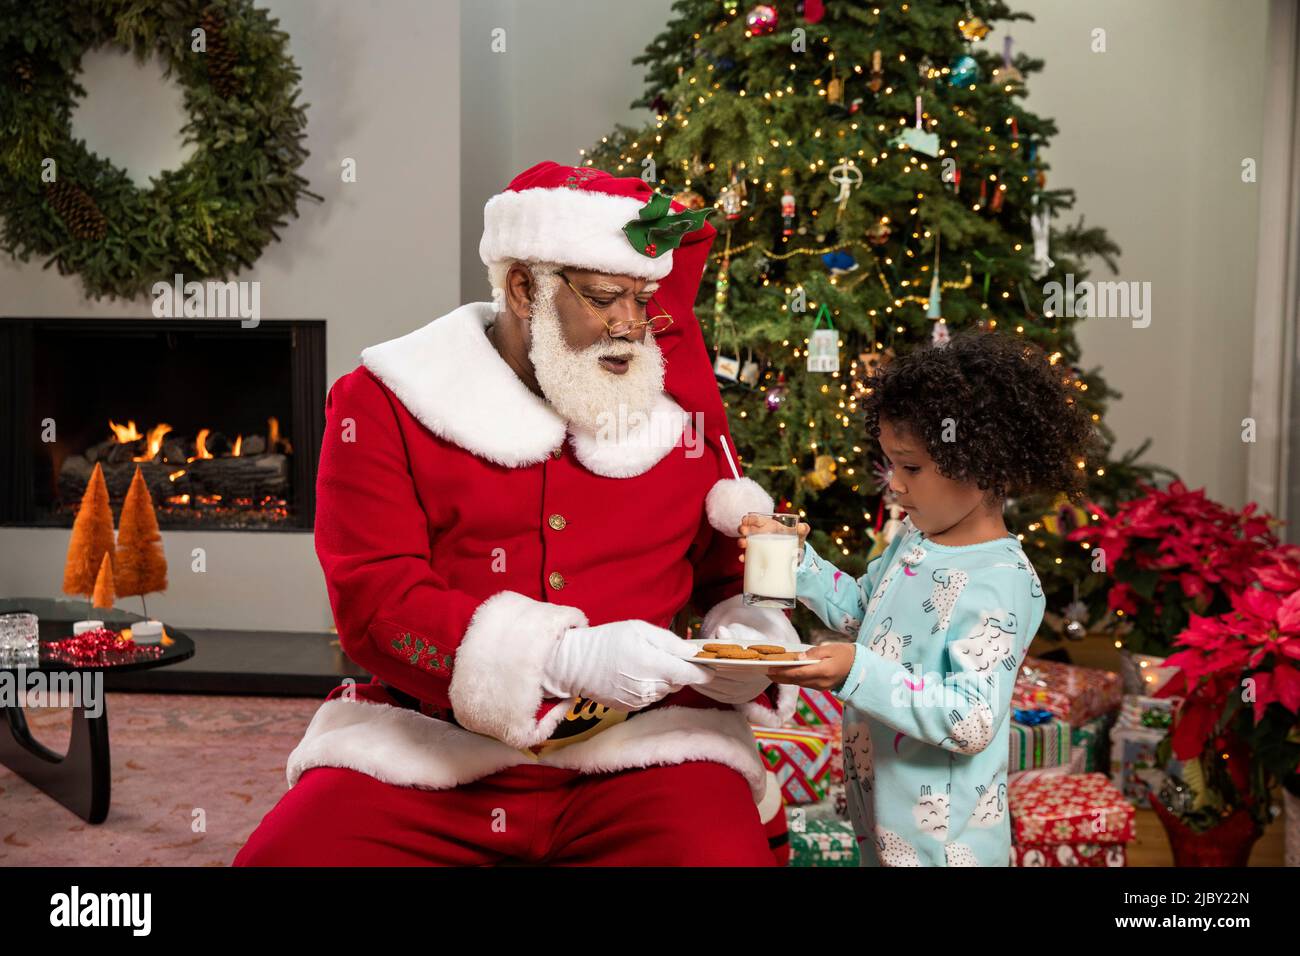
x=657, y=229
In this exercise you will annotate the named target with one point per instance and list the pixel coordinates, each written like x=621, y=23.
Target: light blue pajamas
x=940, y=632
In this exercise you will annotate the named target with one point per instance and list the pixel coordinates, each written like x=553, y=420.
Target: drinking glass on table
x=19, y=637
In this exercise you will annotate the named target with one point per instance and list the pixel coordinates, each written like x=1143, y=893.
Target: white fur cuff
x=496, y=683
x=730, y=499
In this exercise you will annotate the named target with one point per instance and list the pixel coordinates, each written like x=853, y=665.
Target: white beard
x=580, y=390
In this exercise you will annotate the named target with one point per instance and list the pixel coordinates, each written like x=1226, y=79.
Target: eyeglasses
x=657, y=324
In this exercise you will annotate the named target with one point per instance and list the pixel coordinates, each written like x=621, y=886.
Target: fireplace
x=223, y=422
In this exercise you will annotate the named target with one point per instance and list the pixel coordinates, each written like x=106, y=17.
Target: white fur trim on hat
x=569, y=226
x=730, y=499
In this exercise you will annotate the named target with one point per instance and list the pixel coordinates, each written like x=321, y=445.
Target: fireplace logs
x=209, y=473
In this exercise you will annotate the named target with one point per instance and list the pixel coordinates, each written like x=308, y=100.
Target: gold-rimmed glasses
x=657, y=324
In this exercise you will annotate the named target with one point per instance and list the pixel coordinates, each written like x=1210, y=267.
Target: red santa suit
x=463, y=526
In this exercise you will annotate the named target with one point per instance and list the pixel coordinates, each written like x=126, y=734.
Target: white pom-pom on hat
x=730, y=499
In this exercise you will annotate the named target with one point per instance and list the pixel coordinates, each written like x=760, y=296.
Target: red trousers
x=690, y=814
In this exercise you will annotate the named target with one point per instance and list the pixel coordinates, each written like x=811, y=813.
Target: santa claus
x=517, y=506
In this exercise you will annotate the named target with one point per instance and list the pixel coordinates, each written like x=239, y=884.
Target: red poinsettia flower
x=1121, y=597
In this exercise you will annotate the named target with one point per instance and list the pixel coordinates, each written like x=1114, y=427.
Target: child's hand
x=755, y=524
x=829, y=665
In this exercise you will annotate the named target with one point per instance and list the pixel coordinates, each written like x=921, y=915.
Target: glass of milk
x=771, y=557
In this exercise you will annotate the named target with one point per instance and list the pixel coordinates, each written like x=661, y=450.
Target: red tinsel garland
x=101, y=646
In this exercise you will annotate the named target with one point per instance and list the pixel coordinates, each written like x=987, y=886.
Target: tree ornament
x=878, y=233
x=690, y=199
x=839, y=262
x=935, y=308
x=761, y=20
x=787, y=213
x=823, y=474
x=877, y=73
x=1007, y=74
x=1040, y=223
x=729, y=200
x=835, y=89
x=964, y=71
x=972, y=27
x=749, y=371
x=999, y=192
x=776, y=394
x=847, y=176
x=823, y=346
x=939, y=334
x=812, y=10
x=918, y=137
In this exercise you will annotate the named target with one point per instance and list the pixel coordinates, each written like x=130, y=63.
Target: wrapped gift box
x=800, y=758
x=1070, y=854
x=1090, y=746
x=817, y=708
x=824, y=843
x=834, y=806
x=835, y=735
x=1044, y=744
x=1075, y=808
x=1075, y=694
x=1148, y=713
x=1133, y=749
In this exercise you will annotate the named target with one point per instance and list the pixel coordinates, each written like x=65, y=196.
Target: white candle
x=81, y=627
x=770, y=562
x=146, y=632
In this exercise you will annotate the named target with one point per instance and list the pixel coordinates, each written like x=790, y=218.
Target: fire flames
x=128, y=433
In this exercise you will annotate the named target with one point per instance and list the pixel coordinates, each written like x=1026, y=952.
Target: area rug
x=192, y=777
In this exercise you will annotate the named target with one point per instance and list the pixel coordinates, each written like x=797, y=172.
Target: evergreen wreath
x=207, y=219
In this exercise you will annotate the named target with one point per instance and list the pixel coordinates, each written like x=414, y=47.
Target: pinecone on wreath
x=222, y=58
x=77, y=209
x=23, y=74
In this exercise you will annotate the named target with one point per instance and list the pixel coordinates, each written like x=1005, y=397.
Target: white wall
x=565, y=79
x=377, y=259
x=1152, y=136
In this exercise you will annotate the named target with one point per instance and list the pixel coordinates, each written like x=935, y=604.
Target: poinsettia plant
x=1237, y=728
x=1173, y=553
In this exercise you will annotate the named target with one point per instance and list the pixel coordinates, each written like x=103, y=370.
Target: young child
x=942, y=619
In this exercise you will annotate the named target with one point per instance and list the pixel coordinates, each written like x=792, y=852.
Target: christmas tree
x=876, y=182
x=140, y=562
x=92, y=537
x=104, y=595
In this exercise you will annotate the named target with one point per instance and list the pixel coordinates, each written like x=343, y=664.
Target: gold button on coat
x=557, y=580
x=557, y=522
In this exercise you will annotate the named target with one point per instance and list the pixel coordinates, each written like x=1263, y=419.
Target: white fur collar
x=452, y=379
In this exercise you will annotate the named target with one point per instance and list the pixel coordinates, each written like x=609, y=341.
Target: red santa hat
x=586, y=218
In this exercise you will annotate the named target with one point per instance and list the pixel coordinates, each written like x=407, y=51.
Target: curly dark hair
x=1020, y=428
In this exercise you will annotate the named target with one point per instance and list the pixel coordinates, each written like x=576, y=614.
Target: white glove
x=736, y=685
x=625, y=665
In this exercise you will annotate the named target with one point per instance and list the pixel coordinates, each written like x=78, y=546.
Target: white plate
x=722, y=662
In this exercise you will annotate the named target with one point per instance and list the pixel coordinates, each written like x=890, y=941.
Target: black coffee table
x=79, y=779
